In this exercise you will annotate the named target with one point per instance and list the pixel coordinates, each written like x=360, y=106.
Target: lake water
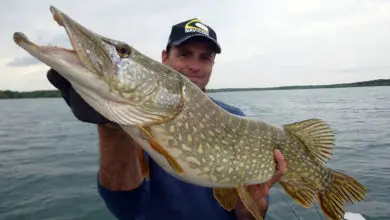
x=49, y=160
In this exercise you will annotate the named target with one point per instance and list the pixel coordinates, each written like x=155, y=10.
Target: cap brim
x=180, y=41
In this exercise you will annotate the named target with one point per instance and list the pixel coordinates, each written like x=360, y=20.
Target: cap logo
x=196, y=26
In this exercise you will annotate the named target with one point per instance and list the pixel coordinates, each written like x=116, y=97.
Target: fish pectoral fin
x=143, y=163
x=315, y=135
x=300, y=191
x=342, y=188
x=226, y=197
x=249, y=202
x=159, y=149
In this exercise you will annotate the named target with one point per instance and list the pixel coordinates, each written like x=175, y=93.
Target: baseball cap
x=192, y=28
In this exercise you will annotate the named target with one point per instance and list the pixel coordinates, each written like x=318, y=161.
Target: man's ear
x=164, y=56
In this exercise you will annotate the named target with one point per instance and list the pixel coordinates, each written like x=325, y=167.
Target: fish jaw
x=65, y=62
x=120, y=83
x=96, y=54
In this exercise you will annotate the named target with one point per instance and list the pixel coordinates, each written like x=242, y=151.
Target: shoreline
x=8, y=94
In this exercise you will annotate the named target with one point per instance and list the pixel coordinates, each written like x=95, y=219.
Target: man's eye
x=208, y=59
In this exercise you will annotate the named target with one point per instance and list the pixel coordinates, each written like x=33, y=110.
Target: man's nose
x=194, y=66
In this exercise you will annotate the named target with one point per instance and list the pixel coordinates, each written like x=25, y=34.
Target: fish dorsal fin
x=315, y=135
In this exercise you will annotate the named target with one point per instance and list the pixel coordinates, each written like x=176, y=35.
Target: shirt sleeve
x=239, y=112
x=125, y=204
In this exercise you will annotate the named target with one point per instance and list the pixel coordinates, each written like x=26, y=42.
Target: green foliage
x=378, y=82
x=7, y=94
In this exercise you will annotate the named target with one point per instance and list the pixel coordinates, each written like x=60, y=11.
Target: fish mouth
x=68, y=55
x=87, y=65
x=64, y=54
x=83, y=43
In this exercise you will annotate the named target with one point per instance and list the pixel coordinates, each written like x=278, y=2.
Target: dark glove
x=79, y=107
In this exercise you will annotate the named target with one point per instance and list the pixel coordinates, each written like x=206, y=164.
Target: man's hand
x=80, y=109
x=260, y=191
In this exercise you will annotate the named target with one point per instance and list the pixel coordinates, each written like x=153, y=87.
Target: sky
x=264, y=43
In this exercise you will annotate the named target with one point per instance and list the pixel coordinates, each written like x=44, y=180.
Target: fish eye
x=123, y=51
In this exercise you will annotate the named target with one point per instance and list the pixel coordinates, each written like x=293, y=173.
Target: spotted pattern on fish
x=220, y=147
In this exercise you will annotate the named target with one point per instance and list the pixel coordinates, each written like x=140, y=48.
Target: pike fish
x=187, y=134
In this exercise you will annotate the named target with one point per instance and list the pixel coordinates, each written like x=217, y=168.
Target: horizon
x=291, y=44
x=238, y=88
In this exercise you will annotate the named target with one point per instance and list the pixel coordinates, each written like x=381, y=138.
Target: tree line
x=8, y=94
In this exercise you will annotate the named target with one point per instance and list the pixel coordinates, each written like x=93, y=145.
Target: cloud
x=264, y=43
x=23, y=61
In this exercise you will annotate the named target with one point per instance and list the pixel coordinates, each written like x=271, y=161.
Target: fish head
x=118, y=81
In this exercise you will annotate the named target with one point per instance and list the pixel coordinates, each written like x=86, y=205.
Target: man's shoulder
x=227, y=107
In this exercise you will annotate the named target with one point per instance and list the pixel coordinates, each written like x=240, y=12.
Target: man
x=191, y=50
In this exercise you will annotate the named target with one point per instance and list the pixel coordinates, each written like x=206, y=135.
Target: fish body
x=190, y=136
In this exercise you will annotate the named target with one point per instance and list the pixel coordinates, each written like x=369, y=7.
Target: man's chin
x=198, y=83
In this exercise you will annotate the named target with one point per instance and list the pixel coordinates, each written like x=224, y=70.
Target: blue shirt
x=165, y=197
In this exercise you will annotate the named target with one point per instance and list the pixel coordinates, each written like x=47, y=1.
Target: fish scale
x=223, y=161
x=187, y=134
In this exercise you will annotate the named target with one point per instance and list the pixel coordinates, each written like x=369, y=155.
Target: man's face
x=194, y=59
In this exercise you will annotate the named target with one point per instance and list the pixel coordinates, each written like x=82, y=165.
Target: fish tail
x=341, y=188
